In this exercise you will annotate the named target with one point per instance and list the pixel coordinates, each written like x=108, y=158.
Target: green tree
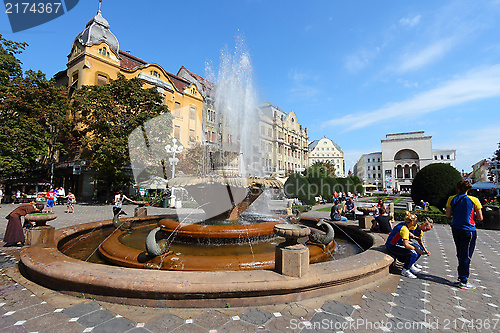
x=34, y=114
x=108, y=114
x=10, y=66
x=492, y=175
x=434, y=184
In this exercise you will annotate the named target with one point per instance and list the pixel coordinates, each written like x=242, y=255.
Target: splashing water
x=236, y=105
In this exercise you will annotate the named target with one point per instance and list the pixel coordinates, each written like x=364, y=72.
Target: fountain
x=184, y=264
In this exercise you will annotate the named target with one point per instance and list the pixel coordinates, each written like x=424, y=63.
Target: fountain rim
x=47, y=266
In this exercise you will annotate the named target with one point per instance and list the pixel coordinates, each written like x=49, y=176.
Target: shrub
x=302, y=208
x=434, y=184
x=437, y=217
x=297, y=186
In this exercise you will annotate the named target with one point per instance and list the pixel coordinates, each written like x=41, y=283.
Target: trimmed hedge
x=437, y=217
x=434, y=184
x=302, y=208
x=314, y=184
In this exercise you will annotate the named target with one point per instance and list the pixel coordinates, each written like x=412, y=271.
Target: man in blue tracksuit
x=465, y=210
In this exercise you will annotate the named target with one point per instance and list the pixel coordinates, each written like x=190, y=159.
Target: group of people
x=14, y=232
x=338, y=212
x=405, y=240
x=52, y=195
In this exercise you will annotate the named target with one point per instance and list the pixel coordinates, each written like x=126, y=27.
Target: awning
x=483, y=186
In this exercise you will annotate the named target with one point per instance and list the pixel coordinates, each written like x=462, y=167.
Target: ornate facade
x=95, y=58
x=327, y=151
x=284, y=147
x=402, y=156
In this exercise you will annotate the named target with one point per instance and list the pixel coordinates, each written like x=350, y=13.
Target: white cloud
x=301, y=84
x=477, y=84
x=357, y=61
x=435, y=51
x=410, y=21
x=479, y=143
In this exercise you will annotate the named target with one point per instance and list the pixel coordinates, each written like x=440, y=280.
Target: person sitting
x=320, y=200
x=382, y=222
x=422, y=205
x=350, y=209
x=398, y=244
x=416, y=236
x=336, y=212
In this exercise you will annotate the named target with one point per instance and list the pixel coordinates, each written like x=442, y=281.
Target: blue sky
x=353, y=71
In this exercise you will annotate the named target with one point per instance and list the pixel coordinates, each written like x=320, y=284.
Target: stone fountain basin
x=114, y=251
x=238, y=231
x=40, y=219
x=47, y=266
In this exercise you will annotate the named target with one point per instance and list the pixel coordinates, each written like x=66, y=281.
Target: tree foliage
x=317, y=181
x=494, y=165
x=109, y=113
x=34, y=113
x=434, y=183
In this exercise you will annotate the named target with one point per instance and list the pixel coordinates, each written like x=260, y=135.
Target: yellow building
x=95, y=58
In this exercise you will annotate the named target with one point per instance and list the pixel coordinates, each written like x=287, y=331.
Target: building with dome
x=326, y=151
x=402, y=156
x=95, y=58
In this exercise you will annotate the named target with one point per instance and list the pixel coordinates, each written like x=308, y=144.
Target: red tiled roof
x=179, y=83
x=129, y=61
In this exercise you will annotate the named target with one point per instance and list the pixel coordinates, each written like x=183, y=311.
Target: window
x=368, y=161
x=75, y=77
x=177, y=109
x=177, y=132
x=378, y=168
x=368, y=168
x=191, y=135
x=435, y=157
x=101, y=80
x=192, y=113
x=441, y=156
x=447, y=157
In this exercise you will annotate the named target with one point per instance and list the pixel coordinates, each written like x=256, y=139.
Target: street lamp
x=174, y=149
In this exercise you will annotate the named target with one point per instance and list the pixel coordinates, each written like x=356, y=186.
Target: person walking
x=1, y=194
x=14, y=233
x=117, y=203
x=50, y=196
x=70, y=203
x=466, y=210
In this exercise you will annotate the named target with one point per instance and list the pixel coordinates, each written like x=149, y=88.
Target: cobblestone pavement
x=427, y=304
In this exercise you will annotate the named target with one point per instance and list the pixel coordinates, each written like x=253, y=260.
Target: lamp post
x=173, y=149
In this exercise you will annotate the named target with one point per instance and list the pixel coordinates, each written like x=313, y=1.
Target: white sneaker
x=417, y=266
x=414, y=269
x=407, y=273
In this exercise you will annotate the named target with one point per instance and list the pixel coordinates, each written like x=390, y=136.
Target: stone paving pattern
x=428, y=304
